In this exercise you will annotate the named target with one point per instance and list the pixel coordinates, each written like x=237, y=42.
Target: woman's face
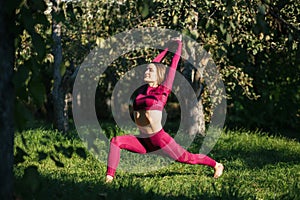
x=150, y=75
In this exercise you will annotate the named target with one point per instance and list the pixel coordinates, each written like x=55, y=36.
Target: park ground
x=50, y=165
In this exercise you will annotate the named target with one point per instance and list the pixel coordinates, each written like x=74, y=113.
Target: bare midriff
x=148, y=121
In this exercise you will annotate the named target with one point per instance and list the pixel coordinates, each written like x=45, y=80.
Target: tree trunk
x=7, y=53
x=196, y=121
x=193, y=73
x=58, y=94
x=196, y=115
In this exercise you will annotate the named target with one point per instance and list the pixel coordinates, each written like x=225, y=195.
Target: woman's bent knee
x=115, y=140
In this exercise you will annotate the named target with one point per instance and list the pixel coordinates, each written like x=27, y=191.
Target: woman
x=148, y=106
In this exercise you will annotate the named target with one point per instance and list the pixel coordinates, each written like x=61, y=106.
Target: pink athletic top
x=155, y=98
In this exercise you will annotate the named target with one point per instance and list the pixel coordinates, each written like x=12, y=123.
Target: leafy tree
x=245, y=40
x=40, y=70
x=31, y=58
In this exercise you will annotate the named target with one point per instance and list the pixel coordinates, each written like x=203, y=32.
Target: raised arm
x=172, y=70
x=160, y=56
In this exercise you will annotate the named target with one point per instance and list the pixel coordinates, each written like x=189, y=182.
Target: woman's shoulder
x=164, y=89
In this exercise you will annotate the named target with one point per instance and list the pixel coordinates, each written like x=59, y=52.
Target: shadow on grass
x=35, y=186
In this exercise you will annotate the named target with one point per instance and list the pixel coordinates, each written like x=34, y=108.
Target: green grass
x=257, y=166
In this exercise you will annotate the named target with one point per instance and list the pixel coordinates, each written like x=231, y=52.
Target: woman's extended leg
x=128, y=142
x=178, y=153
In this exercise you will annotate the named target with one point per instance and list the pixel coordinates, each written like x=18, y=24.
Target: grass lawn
x=49, y=165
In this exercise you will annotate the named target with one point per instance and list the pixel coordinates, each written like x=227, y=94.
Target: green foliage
x=257, y=166
x=31, y=50
x=274, y=67
x=255, y=45
x=33, y=75
x=244, y=38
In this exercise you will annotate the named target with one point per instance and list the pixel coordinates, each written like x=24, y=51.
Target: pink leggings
x=160, y=140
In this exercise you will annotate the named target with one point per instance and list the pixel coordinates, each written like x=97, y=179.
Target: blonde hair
x=161, y=72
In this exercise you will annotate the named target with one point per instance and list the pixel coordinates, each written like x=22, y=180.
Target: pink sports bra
x=155, y=98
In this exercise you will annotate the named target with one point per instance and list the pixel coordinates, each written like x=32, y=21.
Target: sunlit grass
x=257, y=166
